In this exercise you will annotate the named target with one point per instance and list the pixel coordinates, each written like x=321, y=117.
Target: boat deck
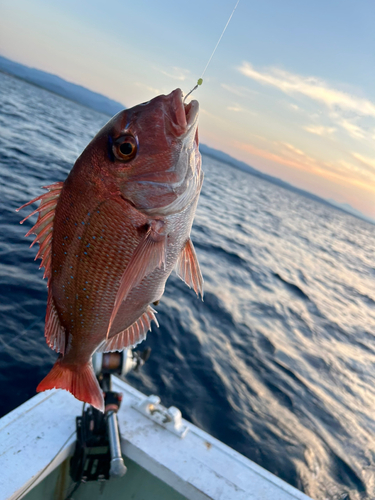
x=37, y=439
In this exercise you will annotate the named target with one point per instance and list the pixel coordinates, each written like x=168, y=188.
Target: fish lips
x=183, y=117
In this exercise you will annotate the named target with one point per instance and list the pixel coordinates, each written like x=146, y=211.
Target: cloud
x=150, y=89
x=236, y=108
x=175, y=72
x=320, y=130
x=367, y=163
x=239, y=91
x=342, y=172
x=311, y=87
x=286, y=154
x=364, y=176
x=216, y=118
x=295, y=107
x=351, y=128
x=348, y=112
x=293, y=149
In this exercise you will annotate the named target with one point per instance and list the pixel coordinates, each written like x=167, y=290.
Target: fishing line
x=200, y=80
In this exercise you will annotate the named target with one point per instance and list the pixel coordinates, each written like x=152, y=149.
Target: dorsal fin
x=132, y=335
x=187, y=268
x=44, y=225
x=54, y=331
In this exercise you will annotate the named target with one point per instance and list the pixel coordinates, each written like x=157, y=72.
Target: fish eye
x=125, y=148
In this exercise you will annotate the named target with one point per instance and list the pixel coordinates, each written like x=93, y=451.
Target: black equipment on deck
x=97, y=455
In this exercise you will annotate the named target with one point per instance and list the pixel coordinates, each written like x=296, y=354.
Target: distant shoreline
x=59, y=86
x=224, y=157
x=52, y=92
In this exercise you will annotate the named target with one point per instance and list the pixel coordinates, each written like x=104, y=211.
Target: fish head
x=149, y=153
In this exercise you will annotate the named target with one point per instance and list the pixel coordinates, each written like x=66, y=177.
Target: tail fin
x=78, y=380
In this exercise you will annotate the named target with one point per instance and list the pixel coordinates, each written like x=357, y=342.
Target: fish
x=112, y=233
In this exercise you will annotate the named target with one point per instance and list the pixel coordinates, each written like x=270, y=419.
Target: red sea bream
x=112, y=233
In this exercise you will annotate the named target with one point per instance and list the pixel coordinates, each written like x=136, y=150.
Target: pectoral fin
x=187, y=268
x=149, y=255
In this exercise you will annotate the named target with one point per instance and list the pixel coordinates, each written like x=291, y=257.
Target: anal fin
x=132, y=335
x=187, y=268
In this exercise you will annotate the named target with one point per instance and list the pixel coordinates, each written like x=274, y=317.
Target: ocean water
x=278, y=361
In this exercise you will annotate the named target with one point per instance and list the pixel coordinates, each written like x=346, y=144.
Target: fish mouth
x=185, y=115
x=191, y=112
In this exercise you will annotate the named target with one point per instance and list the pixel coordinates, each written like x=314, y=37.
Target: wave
x=295, y=289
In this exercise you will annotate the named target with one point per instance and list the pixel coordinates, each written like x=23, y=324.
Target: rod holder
x=117, y=468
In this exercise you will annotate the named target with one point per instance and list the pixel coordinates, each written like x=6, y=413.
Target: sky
x=290, y=89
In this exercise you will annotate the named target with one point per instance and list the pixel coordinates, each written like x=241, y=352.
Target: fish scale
x=96, y=271
x=111, y=234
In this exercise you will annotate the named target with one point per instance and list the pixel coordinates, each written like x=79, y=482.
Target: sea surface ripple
x=277, y=362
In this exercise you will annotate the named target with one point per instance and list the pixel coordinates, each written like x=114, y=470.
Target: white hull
x=37, y=439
